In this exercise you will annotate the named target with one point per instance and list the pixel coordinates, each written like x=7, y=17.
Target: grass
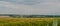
x=27, y=21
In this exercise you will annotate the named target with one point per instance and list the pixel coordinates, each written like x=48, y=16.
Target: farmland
x=7, y=21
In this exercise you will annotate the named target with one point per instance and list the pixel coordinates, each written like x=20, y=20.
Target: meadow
x=7, y=21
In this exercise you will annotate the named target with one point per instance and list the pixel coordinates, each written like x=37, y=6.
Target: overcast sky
x=28, y=7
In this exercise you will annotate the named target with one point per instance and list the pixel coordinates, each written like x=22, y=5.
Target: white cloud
x=49, y=7
x=41, y=8
x=8, y=8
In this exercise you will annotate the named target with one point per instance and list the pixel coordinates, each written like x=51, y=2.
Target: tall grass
x=27, y=21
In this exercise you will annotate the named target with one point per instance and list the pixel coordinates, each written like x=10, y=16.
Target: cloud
x=9, y=8
x=25, y=2
x=51, y=8
x=47, y=7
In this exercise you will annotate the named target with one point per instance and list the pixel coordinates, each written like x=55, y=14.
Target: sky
x=30, y=7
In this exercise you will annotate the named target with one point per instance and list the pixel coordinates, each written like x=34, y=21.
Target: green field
x=27, y=21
